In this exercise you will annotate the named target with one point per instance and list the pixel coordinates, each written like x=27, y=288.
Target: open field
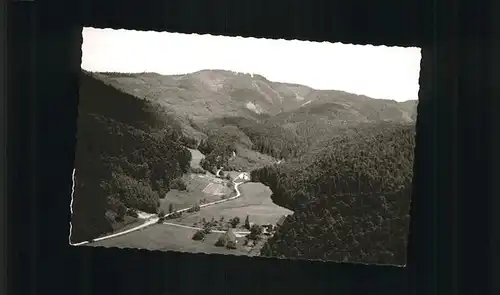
x=199, y=186
x=196, y=157
x=171, y=238
x=248, y=160
x=255, y=201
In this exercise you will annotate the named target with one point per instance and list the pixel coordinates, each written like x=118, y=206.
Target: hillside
x=128, y=152
x=249, y=112
x=350, y=201
x=210, y=94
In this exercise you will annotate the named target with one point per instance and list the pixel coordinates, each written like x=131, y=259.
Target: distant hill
x=210, y=94
x=281, y=120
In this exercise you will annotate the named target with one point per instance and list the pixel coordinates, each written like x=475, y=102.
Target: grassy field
x=171, y=238
x=199, y=187
x=196, y=157
x=255, y=202
x=247, y=160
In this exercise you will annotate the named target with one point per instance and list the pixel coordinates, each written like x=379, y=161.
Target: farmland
x=200, y=187
x=254, y=202
x=170, y=238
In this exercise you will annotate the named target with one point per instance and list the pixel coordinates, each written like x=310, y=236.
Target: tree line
x=350, y=202
x=128, y=153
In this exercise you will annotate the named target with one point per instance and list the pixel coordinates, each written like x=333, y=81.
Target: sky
x=374, y=71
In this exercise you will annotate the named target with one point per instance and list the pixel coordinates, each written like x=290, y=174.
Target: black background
x=451, y=244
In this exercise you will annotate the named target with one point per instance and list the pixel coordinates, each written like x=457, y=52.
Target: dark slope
x=350, y=201
x=128, y=151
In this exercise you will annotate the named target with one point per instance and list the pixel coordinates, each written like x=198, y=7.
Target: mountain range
x=198, y=98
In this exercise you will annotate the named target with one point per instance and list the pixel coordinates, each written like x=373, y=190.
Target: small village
x=233, y=232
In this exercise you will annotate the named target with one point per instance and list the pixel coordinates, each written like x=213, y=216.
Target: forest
x=128, y=153
x=351, y=201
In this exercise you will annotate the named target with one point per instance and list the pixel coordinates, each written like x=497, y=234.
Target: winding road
x=154, y=218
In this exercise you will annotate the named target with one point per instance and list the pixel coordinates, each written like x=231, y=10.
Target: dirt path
x=237, y=233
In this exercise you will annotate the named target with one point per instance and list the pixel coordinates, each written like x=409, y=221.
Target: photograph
x=284, y=149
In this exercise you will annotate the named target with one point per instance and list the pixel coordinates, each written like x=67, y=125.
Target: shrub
x=247, y=223
x=161, y=216
x=170, y=208
x=207, y=227
x=234, y=221
x=199, y=235
x=231, y=245
x=197, y=170
x=195, y=208
x=133, y=213
x=255, y=232
x=174, y=215
x=221, y=241
x=178, y=184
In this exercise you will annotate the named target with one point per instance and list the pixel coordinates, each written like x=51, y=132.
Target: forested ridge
x=225, y=135
x=351, y=201
x=223, y=111
x=128, y=152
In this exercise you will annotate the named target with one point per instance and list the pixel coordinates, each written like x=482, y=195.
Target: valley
x=176, y=234
x=258, y=167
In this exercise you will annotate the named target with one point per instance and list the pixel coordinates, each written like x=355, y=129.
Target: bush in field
x=174, y=215
x=207, y=227
x=234, y=221
x=197, y=170
x=195, y=208
x=247, y=223
x=221, y=241
x=161, y=216
x=178, y=184
x=199, y=235
x=231, y=245
x=255, y=232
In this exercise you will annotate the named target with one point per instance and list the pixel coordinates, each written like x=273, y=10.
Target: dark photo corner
x=448, y=249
